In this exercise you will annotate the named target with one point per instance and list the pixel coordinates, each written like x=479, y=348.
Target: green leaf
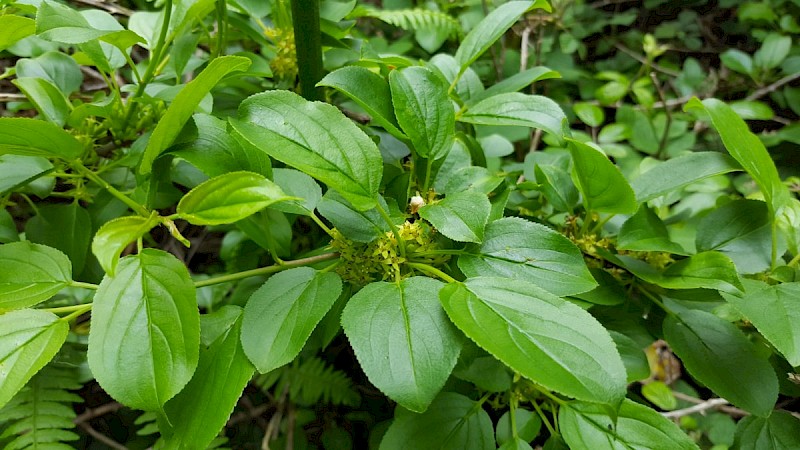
x=746, y=148
x=315, y=138
x=453, y=422
x=603, y=186
x=741, y=230
x=585, y=426
x=737, y=60
x=280, y=316
x=775, y=312
x=545, y=338
x=528, y=426
x=26, y=173
x=229, y=198
x=402, y=339
x=54, y=222
x=461, y=216
x=32, y=273
x=517, y=109
x=112, y=238
x=297, y=184
x=773, y=51
x=633, y=357
x=184, y=104
x=491, y=28
x=678, y=172
x=776, y=432
x=143, y=343
x=198, y=413
x=360, y=226
x=720, y=356
x=28, y=340
x=589, y=114
x=46, y=98
x=8, y=228
x=659, y=394
x=14, y=29
x=522, y=250
x=645, y=232
x=32, y=137
x=370, y=91
x=55, y=67
x=707, y=270
x=557, y=186
x=514, y=83
x=424, y=110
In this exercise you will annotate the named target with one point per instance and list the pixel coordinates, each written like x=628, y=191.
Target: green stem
x=266, y=270
x=433, y=270
x=545, y=420
x=774, y=252
x=401, y=244
x=67, y=309
x=78, y=312
x=308, y=45
x=321, y=224
x=155, y=57
x=139, y=209
x=81, y=284
x=428, y=169
x=222, y=25
x=656, y=300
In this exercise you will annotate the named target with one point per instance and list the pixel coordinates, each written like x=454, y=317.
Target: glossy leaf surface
x=518, y=249
x=546, y=339
x=603, y=187
x=31, y=137
x=229, y=198
x=515, y=108
x=145, y=319
x=460, y=216
x=403, y=339
x=720, y=356
x=679, y=172
x=280, y=316
x=32, y=273
x=316, y=139
x=112, y=238
x=28, y=340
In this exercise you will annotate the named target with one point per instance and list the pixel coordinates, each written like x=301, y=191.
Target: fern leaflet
x=415, y=19
x=311, y=382
x=41, y=415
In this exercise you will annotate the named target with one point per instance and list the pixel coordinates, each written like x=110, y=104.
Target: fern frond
x=416, y=19
x=41, y=414
x=310, y=382
x=147, y=424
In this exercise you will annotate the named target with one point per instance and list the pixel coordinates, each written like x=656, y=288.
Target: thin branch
x=767, y=89
x=642, y=60
x=101, y=437
x=108, y=7
x=698, y=408
x=730, y=410
x=101, y=410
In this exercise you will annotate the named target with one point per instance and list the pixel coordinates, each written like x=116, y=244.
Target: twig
x=642, y=60
x=663, y=142
x=730, y=410
x=12, y=98
x=101, y=437
x=523, y=49
x=767, y=89
x=698, y=408
x=101, y=410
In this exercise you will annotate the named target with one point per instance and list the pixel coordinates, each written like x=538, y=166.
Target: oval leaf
x=184, y=104
x=28, y=340
x=517, y=109
x=145, y=320
x=515, y=248
x=315, y=138
x=112, y=238
x=721, y=357
x=776, y=432
x=402, y=339
x=585, y=426
x=32, y=273
x=280, y=316
x=460, y=216
x=53, y=222
x=746, y=148
x=369, y=90
x=545, y=338
x=453, y=422
x=681, y=171
x=229, y=198
x=32, y=137
x=775, y=312
x=740, y=229
x=423, y=110
x=603, y=186
x=489, y=30
x=222, y=374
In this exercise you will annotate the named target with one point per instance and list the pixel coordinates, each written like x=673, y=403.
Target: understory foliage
x=461, y=225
